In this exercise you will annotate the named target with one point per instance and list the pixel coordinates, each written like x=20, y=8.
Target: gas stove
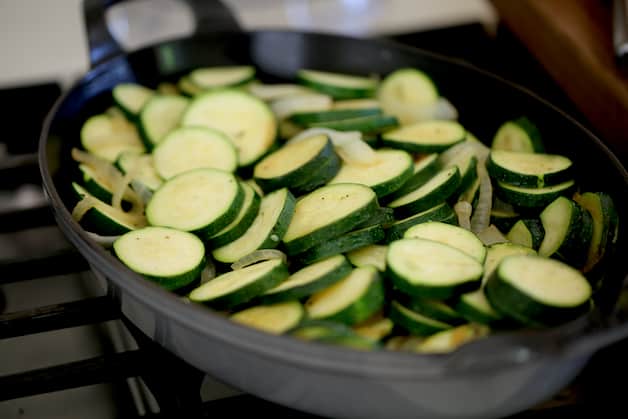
x=68, y=352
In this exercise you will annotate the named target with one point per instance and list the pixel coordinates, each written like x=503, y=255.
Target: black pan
x=492, y=377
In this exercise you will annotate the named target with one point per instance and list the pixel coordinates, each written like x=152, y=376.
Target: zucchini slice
x=190, y=148
x=131, y=98
x=535, y=290
x=504, y=220
x=246, y=216
x=332, y=115
x=169, y=257
x=351, y=300
x=528, y=169
x=371, y=124
x=247, y=121
x=520, y=196
x=404, y=90
x=309, y=280
x=356, y=104
x=440, y=212
x=424, y=168
x=454, y=236
x=276, y=319
x=237, y=287
x=221, y=76
x=434, y=309
x=328, y=212
x=390, y=170
x=568, y=231
x=104, y=219
x=319, y=177
x=100, y=184
x=414, y=322
x=336, y=85
x=519, y=135
x=449, y=340
x=188, y=88
x=425, y=268
x=605, y=223
x=203, y=201
x=142, y=166
x=374, y=255
x=314, y=330
x=425, y=136
x=159, y=116
x=383, y=216
x=473, y=305
x=342, y=244
x=293, y=162
x=106, y=136
x=435, y=191
x=266, y=231
x=527, y=232
x=374, y=328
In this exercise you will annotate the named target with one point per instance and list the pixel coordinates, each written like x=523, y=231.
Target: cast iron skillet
x=493, y=377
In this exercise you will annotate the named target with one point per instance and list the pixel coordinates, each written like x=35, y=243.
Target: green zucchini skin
x=519, y=134
x=338, y=91
x=500, y=171
x=371, y=124
x=326, y=172
x=527, y=232
x=306, y=118
x=224, y=237
x=441, y=212
x=530, y=198
x=414, y=322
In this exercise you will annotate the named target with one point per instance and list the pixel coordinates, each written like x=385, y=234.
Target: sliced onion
x=348, y=144
x=81, y=207
x=259, y=256
x=482, y=214
x=106, y=241
x=98, y=164
x=313, y=102
x=463, y=211
x=142, y=191
x=269, y=92
x=209, y=272
x=491, y=235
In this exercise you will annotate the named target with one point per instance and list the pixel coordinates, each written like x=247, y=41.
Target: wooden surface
x=572, y=39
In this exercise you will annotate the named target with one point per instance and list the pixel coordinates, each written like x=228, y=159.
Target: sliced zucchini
x=454, y=236
x=568, y=231
x=605, y=221
x=527, y=232
x=425, y=268
x=247, y=121
x=244, y=219
x=471, y=194
x=342, y=244
x=105, y=220
x=535, y=290
x=309, y=280
x=374, y=328
x=270, y=92
x=440, y=212
x=100, y=184
x=169, y=257
x=403, y=91
x=221, y=76
x=319, y=177
x=142, y=166
x=390, y=170
x=188, y=88
x=237, y=287
x=293, y=162
x=435, y=191
x=383, y=216
x=424, y=168
x=425, y=136
x=528, y=169
x=276, y=319
x=351, y=300
x=332, y=115
x=371, y=124
x=266, y=231
x=434, y=309
x=504, y=219
x=131, y=98
x=106, y=136
x=374, y=255
x=473, y=305
x=520, y=196
x=203, y=201
x=190, y=148
x=338, y=86
x=450, y=340
x=159, y=116
x=285, y=107
x=356, y=104
x=328, y=212
x=314, y=330
x=414, y=322
x=519, y=135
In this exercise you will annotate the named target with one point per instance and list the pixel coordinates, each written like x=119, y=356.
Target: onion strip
x=259, y=256
x=209, y=271
x=463, y=210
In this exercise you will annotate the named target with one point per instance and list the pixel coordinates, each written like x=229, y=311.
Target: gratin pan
x=489, y=378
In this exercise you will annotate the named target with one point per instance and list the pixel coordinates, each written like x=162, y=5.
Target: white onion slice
x=81, y=207
x=259, y=256
x=142, y=191
x=209, y=272
x=314, y=102
x=269, y=92
x=106, y=241
x=482, y=214
x=463, y=210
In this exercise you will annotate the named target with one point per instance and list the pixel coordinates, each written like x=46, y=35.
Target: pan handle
x=209, y=16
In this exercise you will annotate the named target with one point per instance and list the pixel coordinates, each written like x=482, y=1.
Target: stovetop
x=67, y=352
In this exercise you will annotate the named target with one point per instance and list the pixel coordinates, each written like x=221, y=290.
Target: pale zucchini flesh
x=276, y=318
x=159, y=116
x=454, y=236
x=528, y=169
x=221, y=76
x=131, y=97
x=426, y=136
x=106, y=137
